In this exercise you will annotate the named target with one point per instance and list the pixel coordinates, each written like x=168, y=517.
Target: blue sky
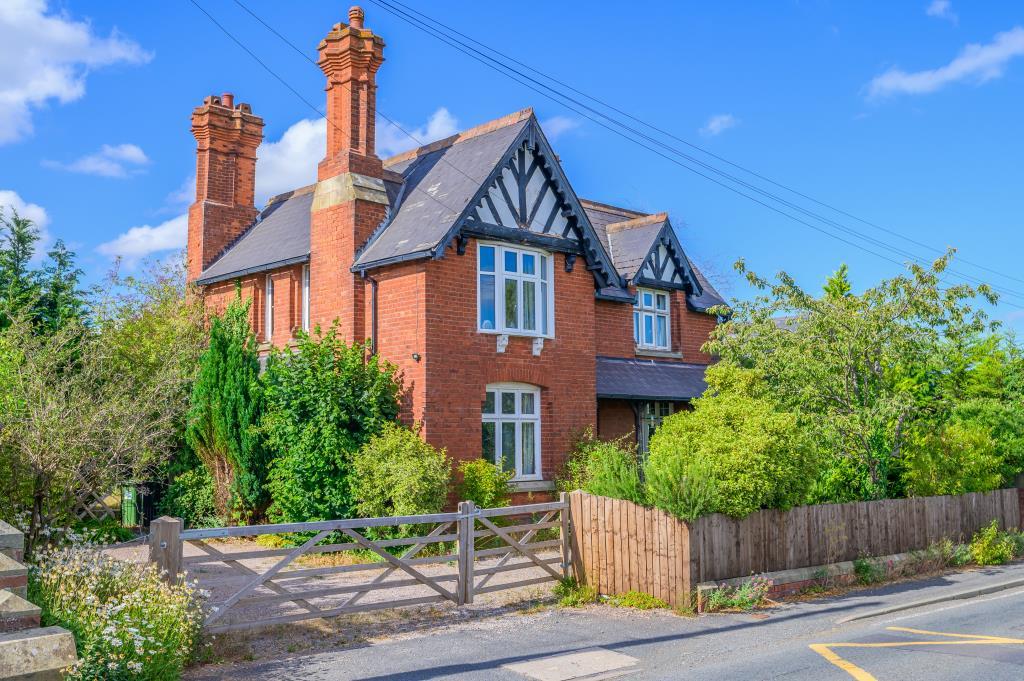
x=906, y=114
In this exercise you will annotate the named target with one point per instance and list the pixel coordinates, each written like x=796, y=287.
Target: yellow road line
x=847, y=666
x=858, y=674
x=994, y=639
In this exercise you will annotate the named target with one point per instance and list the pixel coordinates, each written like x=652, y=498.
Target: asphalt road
x=979, y=638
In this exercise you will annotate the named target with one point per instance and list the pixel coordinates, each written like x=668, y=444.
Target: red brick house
x=517, y=312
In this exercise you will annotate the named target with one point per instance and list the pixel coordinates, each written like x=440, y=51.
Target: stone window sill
x=532, y=486
x=665, y=354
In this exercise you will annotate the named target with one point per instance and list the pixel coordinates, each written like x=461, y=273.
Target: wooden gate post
x=466, y=530
x=165, y=546
x=566, y=535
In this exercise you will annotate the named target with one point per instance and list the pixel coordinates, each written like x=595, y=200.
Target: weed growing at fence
x=868, y=570
x=992, y=547
x=750, y=594
x=572, y=594
x=637, y=600
x=127, y=622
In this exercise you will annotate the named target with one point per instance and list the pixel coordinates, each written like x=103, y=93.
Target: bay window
x=511, y=429
x=651, y=320
x=514, y=291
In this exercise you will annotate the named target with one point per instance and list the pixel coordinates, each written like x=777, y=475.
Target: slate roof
x=428, y=190
x=279, y=237
x=621, y=378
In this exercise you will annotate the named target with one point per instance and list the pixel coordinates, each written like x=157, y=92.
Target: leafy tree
x=396, y=473
x=325, y=400
x=226, y=407
x=954, y=459
x=737, y=444
x=861, y=371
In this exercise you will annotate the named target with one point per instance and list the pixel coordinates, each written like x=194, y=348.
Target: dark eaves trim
x=618, y=296
x=394, y=260
x=206, y=281
x=645, y=398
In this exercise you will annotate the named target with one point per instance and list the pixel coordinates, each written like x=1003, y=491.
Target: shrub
x=325, y=399
x=750, y=594
x=484, y=484
x=191, y=497
x=127, y=622
x=607, y=469
x=756, y=455
x=868, y=571
x=992, y=547
x=637, y=600
x=572, y=594
x=397, y=473
x=956, y=459
x=686, y=489
x=226, y=408
x=106, y=531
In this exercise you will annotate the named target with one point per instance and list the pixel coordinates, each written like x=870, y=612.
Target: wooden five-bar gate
x=453, y=557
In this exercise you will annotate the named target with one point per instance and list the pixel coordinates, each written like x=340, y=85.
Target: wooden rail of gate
x=487, y=542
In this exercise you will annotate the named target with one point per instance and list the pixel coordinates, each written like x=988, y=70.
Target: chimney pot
x=227, y=99
x=355, y=16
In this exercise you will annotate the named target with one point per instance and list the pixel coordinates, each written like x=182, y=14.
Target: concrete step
x=12, y=542
x=16, y=613
x=13, y=575
x=36, y=654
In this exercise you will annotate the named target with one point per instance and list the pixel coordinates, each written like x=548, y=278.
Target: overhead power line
x=629, y=132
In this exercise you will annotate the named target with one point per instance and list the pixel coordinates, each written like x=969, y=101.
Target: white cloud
x=184, y=194
x=48, y=56
x=718, y=124
x=391, y=140
x=119, y=160
x=556, y=126
x=10, y=200
x=139, y=242
x=976, y=63
x=291, y=161
x=942, y=9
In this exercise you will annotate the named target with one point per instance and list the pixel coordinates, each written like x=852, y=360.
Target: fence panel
x=626, y=547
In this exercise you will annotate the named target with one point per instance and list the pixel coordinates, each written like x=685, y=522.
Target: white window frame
x=500, y=277
x=268, y=309
x=643, y=311
x=518, y=419
x=305, y=298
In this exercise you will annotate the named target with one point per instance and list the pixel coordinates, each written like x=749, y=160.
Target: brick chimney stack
x=350, y=200
x=227, y=136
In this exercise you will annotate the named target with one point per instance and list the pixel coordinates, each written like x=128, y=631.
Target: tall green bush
x=396, y=473
x=483, y=483
x=325, y=400
x=190, y=497
x=754, y=454
x=955, y=459
x=686, y=488
x=227, y=405
x=605, y=468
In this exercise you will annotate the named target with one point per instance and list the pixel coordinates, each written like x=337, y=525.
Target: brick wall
x=460, y=362
x=615, y=419
x=613, y=323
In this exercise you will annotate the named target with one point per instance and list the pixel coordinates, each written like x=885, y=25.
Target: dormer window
x=651, y=320
x=515, y=292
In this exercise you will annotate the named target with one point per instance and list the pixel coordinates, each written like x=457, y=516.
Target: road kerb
x=955, y=596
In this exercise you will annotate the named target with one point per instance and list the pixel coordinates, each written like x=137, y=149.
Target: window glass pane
x=662, y=331
x=508, y=446
x=526, y=403
x=487, y=443
x=487, y=301
x=649, y=329
x=648, y=299
x=636, y=328
x=529, y=305
x=544, y=307
x=488, y=407
x=510, y=261
x=529, y=448
x=529, y=263
x=511, y=304
x=544, y=267
x=487, y=258
x=508, y=403
x=662, y=301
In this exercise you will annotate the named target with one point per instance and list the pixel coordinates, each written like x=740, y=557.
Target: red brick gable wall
x=613, y=324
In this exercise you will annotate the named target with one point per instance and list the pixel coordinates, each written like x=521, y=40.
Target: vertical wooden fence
x=251, y=585
x=619, y=546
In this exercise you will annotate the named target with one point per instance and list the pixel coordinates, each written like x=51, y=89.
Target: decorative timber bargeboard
x=469, y=552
